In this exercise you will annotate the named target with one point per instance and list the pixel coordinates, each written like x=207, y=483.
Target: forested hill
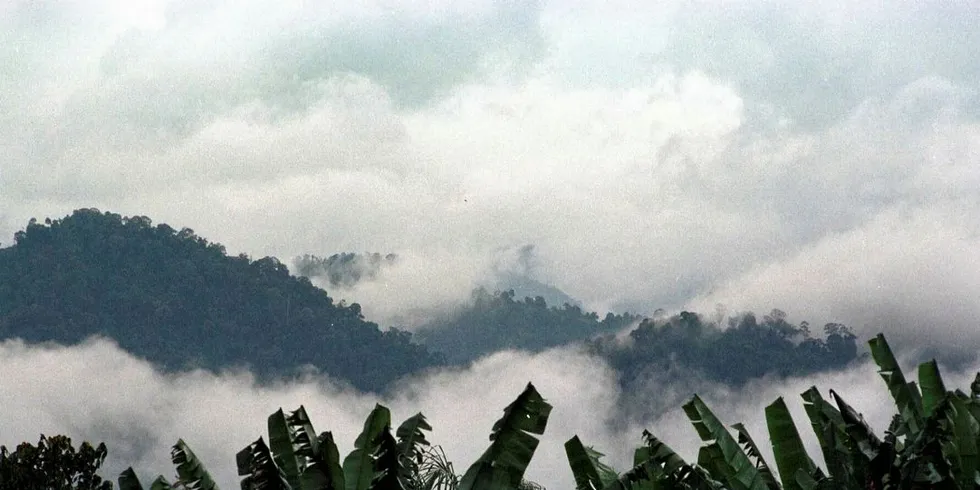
x=732, y=351
x=180, y=301
x=174, y=298
x=496, y=321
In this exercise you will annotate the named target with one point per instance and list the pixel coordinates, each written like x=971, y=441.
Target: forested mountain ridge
x=501, y=320
x=178, y=300
x=731, y=351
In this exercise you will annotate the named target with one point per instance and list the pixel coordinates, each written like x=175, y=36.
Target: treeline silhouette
x=180, y=301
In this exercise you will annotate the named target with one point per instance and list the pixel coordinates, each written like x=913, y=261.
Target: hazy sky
x=811, y=157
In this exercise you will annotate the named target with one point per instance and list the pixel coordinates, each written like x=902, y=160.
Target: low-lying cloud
x=94, y=391
x=657, y=155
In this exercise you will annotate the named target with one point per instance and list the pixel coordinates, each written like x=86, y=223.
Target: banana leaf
x=303, y=435
x=387, y=464
x=160, y=483
x=933, y=388
x=857, y=428
x=828, y=426
x=129, y=481
x=258, y=465
x=589, y=472
x=752, y=451
x=324, y=471
x=359, y=469
x=281, y=445
x=712, y=459
x=906, y=398
x=190, y=471
x=966, y=432
x=711, y=430
x=502, y=465
x=661, y=456
x=411, y=447
x=787, y=447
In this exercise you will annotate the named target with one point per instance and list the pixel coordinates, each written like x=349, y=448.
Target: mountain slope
x=178, y=300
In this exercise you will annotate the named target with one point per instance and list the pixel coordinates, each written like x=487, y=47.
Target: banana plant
x=932, y=442
x=191, y=473
x=502, y=465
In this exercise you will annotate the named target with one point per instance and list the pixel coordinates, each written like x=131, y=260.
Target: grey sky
x=656, y=154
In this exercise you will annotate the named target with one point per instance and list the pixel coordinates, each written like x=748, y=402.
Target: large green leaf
x=787, y=447
x=828, y=426
x=933, y=388
x=387, y=464
x=906, y=398
x=966, y=432
x=359, y=469
x=129, y=481
x=661, y=456
x=712, y=431
x=857, y=428
x=502, y=465
x=304, y=437
x=160, y=483
x=589, y=472
x=281, y=445
x=324, y=471
x=411, y=446
x=752, y=451
x=257, y=464
x=190, y=470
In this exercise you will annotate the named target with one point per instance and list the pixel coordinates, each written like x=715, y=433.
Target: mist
x=96, y=392
x=648, y=167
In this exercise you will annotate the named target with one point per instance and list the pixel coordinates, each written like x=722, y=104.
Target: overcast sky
x=811, y=157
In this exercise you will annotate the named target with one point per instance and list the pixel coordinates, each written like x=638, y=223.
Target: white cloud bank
x=96, y=392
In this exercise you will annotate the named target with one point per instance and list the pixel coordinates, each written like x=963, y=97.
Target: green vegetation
x=297, y=458
x=931, y=443
x=344, y=269
x=53, y=464
x=493, y=322
x=745, y=350
x=180, y=301
x=174, y=298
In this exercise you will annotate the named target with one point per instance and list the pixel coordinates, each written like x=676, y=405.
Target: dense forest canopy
x=343, y=269
x=178, y=300
x=181, y=301
x=731, y=351
x=496, y=321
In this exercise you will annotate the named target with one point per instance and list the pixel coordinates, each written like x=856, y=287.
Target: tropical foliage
x=931, y=443
x=53, y=464
x=733, y=352
x=297, y=458
x=179, y=300
x=495, y=321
